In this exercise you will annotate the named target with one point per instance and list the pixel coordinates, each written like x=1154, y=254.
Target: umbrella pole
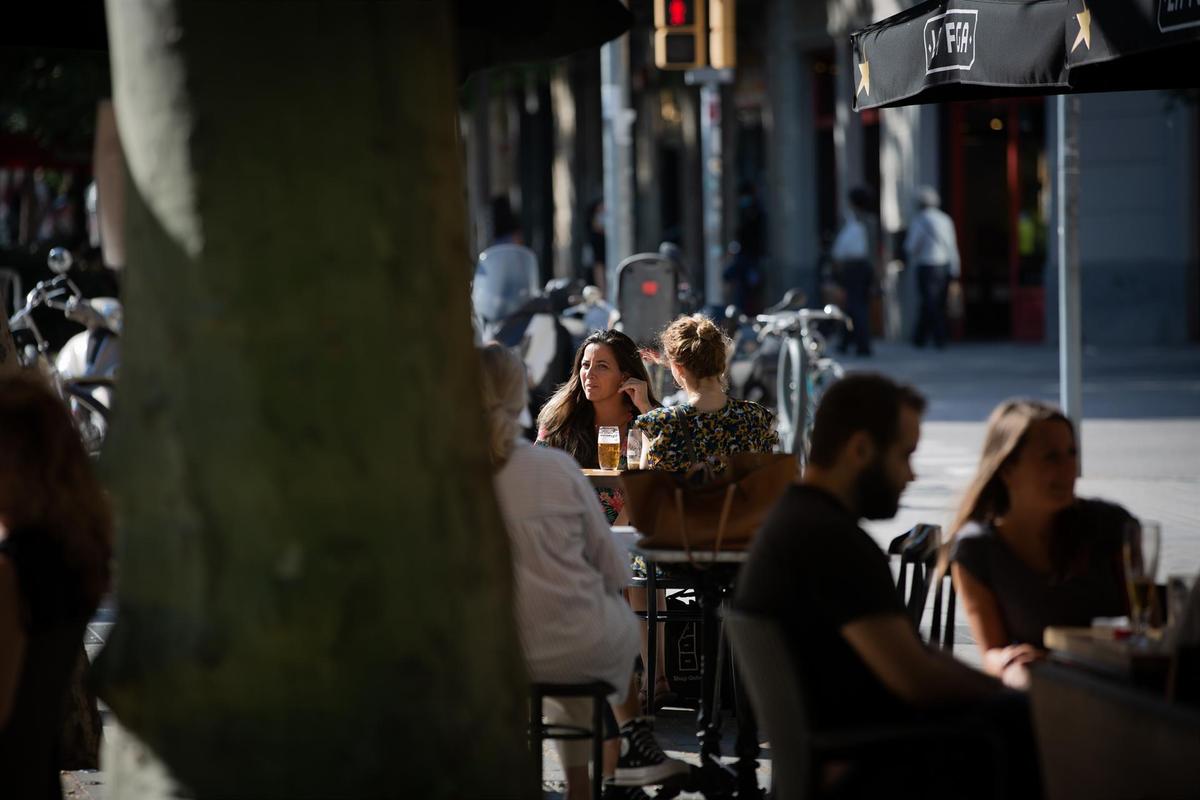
x=1070, y=328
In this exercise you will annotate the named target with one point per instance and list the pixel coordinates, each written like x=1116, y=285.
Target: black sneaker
x=642, y=761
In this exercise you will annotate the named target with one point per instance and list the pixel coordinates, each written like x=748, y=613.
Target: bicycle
x=804, y=372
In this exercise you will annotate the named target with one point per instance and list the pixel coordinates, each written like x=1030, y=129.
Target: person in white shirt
x=932, y=247
x=569, y=572
x=854, y=268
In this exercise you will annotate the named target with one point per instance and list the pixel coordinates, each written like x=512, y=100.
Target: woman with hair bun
x=711, y=423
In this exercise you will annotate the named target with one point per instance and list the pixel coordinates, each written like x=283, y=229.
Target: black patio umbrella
x=944, y=50
x=979, y=49
x=490, y=33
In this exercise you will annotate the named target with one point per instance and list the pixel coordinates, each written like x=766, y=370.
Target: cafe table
x=1112, y=653
x=711, y=575
x=1101, y=737
x=603, y=478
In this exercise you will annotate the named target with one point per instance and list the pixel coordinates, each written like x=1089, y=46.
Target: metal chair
x=778, y=694
x=654, y=617
x=539, y=731
x=918, y=551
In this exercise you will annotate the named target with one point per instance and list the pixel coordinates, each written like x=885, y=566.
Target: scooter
x=86, y=366
x=512, y=309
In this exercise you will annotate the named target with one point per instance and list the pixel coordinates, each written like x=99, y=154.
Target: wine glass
x=608, y=447
x=1139, y=550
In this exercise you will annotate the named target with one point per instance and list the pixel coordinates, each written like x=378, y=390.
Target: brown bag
x=704, y=508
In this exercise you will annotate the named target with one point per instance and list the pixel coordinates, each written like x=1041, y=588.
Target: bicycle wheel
x=790, y=391
x=824, y=373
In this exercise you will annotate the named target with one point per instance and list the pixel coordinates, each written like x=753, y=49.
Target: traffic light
x=722, y=37
x=680, y=35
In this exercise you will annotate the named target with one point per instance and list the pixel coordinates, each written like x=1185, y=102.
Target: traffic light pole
x=710, y=81
x=618, y=158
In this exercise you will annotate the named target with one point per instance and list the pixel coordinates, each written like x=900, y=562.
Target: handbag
x=706, y=508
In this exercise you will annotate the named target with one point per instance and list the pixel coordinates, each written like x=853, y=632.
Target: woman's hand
x=638, y=392
x=1011, y=664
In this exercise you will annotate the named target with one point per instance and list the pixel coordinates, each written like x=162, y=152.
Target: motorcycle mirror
x=60, y=260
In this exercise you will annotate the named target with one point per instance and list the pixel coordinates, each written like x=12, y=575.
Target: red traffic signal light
x=680, y=38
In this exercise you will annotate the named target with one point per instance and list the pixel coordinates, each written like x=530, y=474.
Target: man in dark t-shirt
x=814, y=570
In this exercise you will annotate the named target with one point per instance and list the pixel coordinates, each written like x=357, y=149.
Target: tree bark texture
x=314, y=582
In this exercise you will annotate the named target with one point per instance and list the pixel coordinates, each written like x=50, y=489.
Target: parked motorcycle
x=513, y=310
x=85, y=368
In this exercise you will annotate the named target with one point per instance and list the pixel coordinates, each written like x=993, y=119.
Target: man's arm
x=889, y=647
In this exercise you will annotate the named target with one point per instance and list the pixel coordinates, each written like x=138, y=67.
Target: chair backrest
x=918, y=551
x=776, y=687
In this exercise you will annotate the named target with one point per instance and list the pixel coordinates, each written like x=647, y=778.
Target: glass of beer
x=608, y=447
x=1139, y=551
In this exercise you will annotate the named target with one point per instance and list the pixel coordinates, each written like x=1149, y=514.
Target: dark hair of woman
x=47, y=483
x=568, y=420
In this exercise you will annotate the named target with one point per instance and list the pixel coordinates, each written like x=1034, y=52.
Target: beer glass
x=1139, y=551
x=633, y=449
x=608, y=447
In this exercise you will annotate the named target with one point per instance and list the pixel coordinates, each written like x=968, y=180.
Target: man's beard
x=877, y=497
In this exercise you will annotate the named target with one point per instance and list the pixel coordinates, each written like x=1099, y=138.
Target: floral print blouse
x=680, y=436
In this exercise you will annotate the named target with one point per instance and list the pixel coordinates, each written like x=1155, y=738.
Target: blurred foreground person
x=1026, y=552
x=55, y=546
x=815, y=571
x=569, y=573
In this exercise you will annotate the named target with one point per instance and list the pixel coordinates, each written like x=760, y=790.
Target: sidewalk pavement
x=1140, y=447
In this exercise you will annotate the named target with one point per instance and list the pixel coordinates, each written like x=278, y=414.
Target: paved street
x=1141, y=433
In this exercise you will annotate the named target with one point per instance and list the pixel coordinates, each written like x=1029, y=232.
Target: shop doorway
x=999, y=196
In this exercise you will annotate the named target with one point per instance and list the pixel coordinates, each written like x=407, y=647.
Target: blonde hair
x=986, y=498
x=505, y=394
x=696, y=344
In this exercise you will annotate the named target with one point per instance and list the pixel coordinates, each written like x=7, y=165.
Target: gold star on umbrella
x=1085, y=30
x=864, y=82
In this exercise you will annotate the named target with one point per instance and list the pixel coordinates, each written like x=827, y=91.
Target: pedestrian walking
x=932, y=247
x=853, y=256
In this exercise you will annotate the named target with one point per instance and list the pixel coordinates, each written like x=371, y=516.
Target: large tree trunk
x=314, y=584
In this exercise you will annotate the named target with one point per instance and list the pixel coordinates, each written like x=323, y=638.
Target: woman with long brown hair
x=1025, y=552
x=55, y=548
x=609, y=386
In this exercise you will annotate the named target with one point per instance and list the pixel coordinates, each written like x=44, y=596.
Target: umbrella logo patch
x=950, y=41
x=1176, y=14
